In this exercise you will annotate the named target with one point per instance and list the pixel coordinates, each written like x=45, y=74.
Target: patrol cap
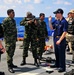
x=72, y=11
x=28, y=13
x=59, y=11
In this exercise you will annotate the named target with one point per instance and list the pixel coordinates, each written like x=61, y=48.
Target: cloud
x=12, y=1
x=8, y=1
x=2, y=7
x=62, y=2
x=30, y=7
x=67, y=3
x=37, y=1
x=63, y=8
x=18, y=1
x=58, y=2
x=27, y=1
x=13, y=6
x=48, y=7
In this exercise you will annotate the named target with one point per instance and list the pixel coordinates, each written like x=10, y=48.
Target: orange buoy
x=48, y=47
x=51, y=46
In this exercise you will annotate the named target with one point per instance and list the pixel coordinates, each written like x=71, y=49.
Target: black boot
x=23, y=62
x=10, y=69
x=2, y=73
x=36, y=63
x=14, y=66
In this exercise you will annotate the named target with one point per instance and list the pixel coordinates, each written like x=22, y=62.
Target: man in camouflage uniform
x=42, y=34
x=35, y=41
x=30, y=36
x=69, y=35
x=73, y=35
x=10, y=36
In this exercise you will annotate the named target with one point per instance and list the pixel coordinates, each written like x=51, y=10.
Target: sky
x=35, y=6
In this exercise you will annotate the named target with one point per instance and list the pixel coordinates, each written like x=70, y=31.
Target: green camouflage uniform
x=10, y=36
x=34, y=41
x=30, y=36
x=42, y=34
x=70, y=35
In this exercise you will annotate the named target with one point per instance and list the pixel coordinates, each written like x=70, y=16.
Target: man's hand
x=61, y=38
x=50, y=22
x=30, y=21
x=58, y=42
x=50, y=18
x=3, y=50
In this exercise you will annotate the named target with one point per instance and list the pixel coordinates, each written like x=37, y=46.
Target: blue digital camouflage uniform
x=60, y=27
x=10, y=36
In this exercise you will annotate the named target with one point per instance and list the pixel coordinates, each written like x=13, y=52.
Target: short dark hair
x=9, y=11
x=41, y=14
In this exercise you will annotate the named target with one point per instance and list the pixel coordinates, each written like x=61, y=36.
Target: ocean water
x=21, y=29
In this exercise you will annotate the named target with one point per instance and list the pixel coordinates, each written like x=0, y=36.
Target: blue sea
x=21, y=29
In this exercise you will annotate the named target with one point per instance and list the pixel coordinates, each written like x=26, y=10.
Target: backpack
x=1, y=31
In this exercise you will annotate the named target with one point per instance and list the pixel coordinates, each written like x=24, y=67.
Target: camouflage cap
x=72, y=11
x=28, y=13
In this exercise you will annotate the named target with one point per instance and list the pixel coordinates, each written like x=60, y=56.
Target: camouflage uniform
x=34, y=41
x=29, y=36
x=42, y=34
x=10, y=36
x=70, y=34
